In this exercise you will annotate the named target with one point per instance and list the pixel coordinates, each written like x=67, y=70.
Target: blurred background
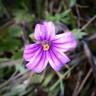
x=17, y=21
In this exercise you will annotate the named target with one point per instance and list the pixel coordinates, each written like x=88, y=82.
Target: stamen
x=45, y=47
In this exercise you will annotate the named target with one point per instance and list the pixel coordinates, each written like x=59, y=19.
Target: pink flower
x=48, y=47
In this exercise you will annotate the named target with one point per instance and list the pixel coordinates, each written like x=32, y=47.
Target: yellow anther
x=45, y=47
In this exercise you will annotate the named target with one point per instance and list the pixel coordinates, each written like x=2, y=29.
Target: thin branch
x=78, y=83
x=83, y=82
x=87, y=24
x=78, y=16
x=11, y=22
x=90, y=58
x=13, y=77
x=9, y=63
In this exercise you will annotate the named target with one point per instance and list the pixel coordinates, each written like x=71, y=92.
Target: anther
x=45, y=47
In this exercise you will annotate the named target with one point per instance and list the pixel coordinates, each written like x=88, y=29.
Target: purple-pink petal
x=30, y=50
x=44, y=31
x=42, y=64
x=65, y=42
x=38, y=63
x=57, y=59
x=50, y=30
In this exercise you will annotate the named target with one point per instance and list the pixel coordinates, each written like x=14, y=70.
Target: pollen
x=45, y=47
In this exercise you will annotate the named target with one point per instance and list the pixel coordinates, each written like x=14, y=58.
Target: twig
x=92, y=37
x=90, y=58
x=93, y=93
x=83, y=82
x=12, y=78
x=61, y=77
x=87, y=24
x=6, y=82
x=77, y=84
x=11, y=22
x=10, y=63
x=78, y=16
x=81, y=6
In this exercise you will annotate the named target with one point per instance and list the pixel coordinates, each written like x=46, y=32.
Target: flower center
x=45, y=46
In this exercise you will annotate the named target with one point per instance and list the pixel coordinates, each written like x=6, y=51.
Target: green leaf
x=16, y=90
x=22, y=15
x=9, y=44
x=37, y=78
x=17, y=55
x=64, y=17
x=48, y=79
x=54, y=92
x=15, y=31
x=7, y=41
x=20, y=67
x=78, y=34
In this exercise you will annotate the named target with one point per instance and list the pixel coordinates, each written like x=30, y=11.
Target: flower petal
x=65, y=42
x=38, y=63
x=42, y=64
x=50, y=30
x=44, y=31
x=30, y=50
x=57, y=59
